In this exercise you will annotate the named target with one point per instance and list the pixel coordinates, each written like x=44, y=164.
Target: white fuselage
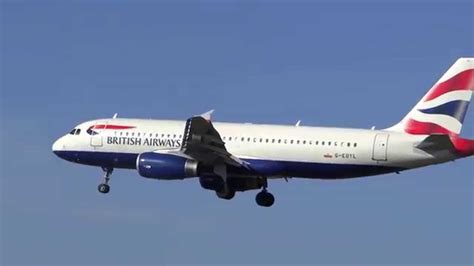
x=330, y=147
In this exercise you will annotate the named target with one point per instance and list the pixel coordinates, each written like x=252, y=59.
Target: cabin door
x=380, y=147
x=96, y=137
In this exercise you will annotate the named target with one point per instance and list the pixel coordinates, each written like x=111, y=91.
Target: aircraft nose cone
x=57, y=146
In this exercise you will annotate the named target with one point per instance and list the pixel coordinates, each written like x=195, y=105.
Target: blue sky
x=329, y=64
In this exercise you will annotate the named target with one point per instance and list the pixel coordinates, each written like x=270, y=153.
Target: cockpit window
x=91, y=132
x=75, y=131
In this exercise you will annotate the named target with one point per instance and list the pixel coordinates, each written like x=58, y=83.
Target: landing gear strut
x=104, y=187
x=265, y=198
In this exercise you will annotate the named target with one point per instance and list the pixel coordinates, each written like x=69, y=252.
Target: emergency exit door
x=380, y=147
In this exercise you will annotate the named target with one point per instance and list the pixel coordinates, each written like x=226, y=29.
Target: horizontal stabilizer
x=436, y=143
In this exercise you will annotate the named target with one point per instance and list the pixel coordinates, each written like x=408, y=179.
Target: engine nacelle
x=165, y=166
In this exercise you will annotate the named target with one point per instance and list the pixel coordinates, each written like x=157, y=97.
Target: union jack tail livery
x=443, y=108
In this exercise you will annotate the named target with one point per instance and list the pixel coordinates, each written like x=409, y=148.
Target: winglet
x=207, y=115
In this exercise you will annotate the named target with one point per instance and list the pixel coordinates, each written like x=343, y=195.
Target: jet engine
x=165, y=166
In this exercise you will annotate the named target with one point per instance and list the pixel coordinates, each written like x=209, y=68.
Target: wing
x=202, y=142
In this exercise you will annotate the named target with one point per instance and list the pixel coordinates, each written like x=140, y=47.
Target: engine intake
x=165, y=166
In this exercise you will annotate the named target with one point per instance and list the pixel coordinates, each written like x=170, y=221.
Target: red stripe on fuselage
x=461, y=81
x=111, y=127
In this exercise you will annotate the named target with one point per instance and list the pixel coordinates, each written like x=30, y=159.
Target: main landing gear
x=265, y=198
x=104, y=187
x=227, y=194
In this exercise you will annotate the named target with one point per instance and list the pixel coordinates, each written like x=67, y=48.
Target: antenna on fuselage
x=115, y=116
x=298, y=123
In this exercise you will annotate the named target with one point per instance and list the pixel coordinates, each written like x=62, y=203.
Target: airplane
x=233, y=157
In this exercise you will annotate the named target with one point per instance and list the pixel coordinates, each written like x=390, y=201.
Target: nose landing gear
x=104, y=187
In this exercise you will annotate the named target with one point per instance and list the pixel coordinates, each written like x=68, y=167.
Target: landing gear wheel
x=103, y=188
x=226, y=194
x=265, y=199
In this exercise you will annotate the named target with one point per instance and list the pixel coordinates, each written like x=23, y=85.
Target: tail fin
x=443, y=108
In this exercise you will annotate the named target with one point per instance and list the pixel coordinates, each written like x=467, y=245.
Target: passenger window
x=348, y=144
x=273, y=140
x=261, y=140
x=329, y=143
x=304, y=141
x=126, y=134
x=242, y=139
x=298, y=142
x=316, y=142
x=322, y=143
x=230, y=138
x=279, y=141
x=133, y=133
x=248, y=139
x=291, y=141
x=266, y=140
x=355, y=145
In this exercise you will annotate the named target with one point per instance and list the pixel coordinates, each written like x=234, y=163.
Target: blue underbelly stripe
x=264, y=167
